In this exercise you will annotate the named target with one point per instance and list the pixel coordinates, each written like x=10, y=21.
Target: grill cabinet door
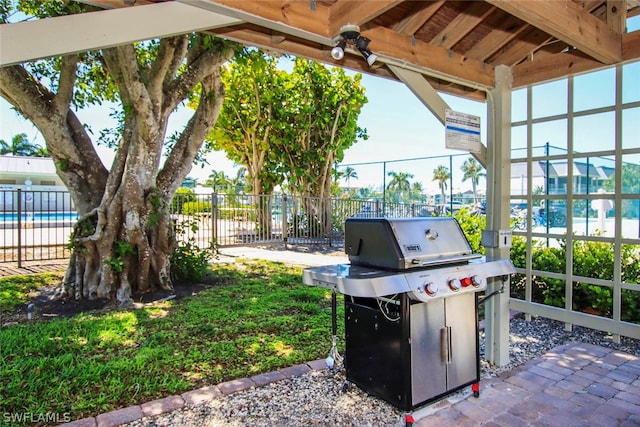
x=460, y=313
x=374, y=351
x=428, y=361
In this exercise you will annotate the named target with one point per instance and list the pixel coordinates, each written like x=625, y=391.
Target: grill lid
x=404, y=243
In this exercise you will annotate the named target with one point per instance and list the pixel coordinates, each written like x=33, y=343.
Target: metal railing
x=37, y=225
x=228, y=220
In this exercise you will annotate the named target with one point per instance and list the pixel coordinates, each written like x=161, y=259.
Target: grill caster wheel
x=475, y=388
x=345, y=386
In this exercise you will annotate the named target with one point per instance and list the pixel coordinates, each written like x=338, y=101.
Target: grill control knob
x=431, y=288
x=476, y=280
x=454, y=285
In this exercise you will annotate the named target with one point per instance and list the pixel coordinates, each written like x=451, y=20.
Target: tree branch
x=166, y=64
x=180, y=159
x=68, y=143
x=67, y=81
x=202, y=66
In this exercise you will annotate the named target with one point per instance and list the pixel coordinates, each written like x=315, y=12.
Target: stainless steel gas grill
x=411, y=295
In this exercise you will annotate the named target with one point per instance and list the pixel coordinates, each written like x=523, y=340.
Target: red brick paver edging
x=172, y=403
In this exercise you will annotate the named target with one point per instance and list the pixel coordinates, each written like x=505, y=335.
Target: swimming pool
x=39, y=216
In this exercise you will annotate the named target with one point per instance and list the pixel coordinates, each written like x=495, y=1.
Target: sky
x=399, y=126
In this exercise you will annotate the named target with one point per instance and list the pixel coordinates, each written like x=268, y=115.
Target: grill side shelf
x=355, y=281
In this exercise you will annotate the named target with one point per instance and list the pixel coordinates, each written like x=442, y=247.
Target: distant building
x=40, y=187
x=20, y=172
x=587, y=177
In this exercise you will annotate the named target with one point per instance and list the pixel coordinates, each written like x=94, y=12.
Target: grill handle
x=445, y=345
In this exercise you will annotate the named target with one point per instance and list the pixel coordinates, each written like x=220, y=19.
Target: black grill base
x=379, y=358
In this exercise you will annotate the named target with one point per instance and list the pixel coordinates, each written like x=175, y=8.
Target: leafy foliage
x=590, y=259
x=20, y=146
x=472, y=226
x=190, y=262
x=287, y=126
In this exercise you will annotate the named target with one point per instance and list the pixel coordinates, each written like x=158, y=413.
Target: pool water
x=39, y=216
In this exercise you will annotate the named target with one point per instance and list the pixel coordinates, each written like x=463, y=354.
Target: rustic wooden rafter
x=455, y=45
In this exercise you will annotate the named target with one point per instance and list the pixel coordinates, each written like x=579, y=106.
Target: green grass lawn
x=257, y=317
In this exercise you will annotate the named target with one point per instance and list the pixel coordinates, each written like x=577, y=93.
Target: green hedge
x=192, y=208
x=590, y=259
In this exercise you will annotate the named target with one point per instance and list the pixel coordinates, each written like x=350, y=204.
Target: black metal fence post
x=285, y=230
x=214, y=217
x=19, y=228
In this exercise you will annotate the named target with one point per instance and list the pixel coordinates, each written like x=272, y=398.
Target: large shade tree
x=124, y=239
x=289, y=126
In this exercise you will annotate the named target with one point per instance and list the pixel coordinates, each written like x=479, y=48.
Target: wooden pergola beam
x=568, y=22
x=356, y=12
x=443, y=62
x=567, y=63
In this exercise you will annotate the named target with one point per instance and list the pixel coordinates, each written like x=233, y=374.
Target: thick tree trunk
x=122, y=247
x=124, y=239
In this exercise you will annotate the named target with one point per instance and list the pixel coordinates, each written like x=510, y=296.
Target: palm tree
x=442, y=175
x=417, y=190
x=399, y=183
x=20, y=146
x=239, y=182
x=473, y=170
x=217, y=180
x=349, y=173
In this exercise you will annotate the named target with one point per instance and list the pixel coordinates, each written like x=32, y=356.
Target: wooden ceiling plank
x=257, y=38
x=417, y=19
x=631, y=46
x=344, y=12
x=20, y=43
x=295, y=14
x=442, y=61
x=617, y=15
x=553, y=67
x=568, y=22
x=532, y=40
x=562, y=64
x=462, y=24
x=507, y=30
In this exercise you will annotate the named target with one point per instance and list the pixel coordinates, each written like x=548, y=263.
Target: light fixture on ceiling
x=337, y=52
x=350, y=35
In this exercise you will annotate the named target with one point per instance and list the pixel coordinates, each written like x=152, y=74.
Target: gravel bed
x=317, y=397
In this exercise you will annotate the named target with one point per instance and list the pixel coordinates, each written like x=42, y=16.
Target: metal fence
x=37, y=225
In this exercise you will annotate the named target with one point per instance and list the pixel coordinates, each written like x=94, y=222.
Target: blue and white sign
x=462, y=131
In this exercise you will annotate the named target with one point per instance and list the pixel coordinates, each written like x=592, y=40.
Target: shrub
x=590, y=259
x=472, y=225
x=192, y=208
x=182, y=196
x=190, y=263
